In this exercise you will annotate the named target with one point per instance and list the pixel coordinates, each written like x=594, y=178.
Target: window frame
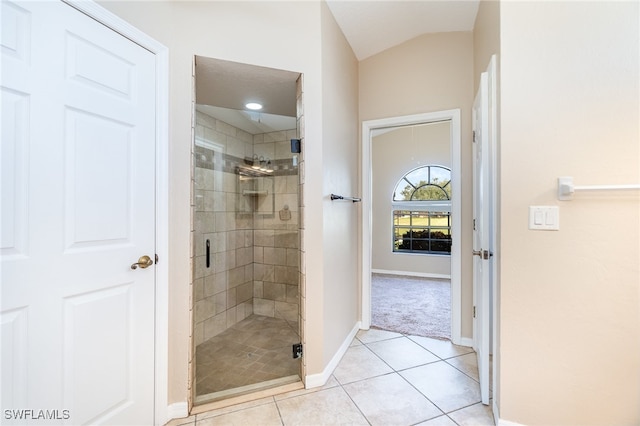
x=416, y=206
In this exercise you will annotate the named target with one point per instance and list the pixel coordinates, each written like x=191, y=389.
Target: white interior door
x=481, y=236
x=78, y=209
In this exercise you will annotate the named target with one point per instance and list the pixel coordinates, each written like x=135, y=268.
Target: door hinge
x=297, y=350
x=474, y=224
x=474, y=311
x=474, y=135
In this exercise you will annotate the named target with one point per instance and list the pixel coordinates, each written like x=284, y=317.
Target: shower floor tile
x=256, y=349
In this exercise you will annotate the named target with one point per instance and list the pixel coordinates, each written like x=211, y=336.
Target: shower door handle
x=208, y=253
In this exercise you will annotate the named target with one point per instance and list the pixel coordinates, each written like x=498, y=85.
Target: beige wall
x=340, y=173
x=283, y=35
x=570, y=299
x=569, y=93
x=433, y=72
x=393, y=154
x=486, y=38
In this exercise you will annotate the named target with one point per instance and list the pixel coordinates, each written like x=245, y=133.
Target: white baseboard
x=412, y=274
x=466, y=341
x=496, y=417
x=177, y=410
x=502, y=422
x=316, y=380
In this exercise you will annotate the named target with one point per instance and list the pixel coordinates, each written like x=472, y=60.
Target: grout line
x=393, y=371
x=397, y=372
x=354, y=403
x=403, y=369
x=420, y=392
x=463, y=372
x=471, y=405
x=307, y=391
x=217, y=412
x=458, y=424
x=440, y=359
x=342, y=386
x=278, y=408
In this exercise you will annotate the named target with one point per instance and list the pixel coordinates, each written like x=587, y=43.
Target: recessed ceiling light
x=254, y=106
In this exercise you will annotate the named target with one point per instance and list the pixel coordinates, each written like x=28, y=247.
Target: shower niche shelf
x=255, y=193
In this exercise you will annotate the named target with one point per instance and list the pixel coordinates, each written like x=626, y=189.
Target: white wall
x=393, y=154
x=292, y=36
x=570, y=299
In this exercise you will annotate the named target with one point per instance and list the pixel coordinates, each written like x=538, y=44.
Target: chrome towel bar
x=566, y=188
x=340, y=197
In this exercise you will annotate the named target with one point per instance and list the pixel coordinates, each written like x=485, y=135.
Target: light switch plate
x=544, y=218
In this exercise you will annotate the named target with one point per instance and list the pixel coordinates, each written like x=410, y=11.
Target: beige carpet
x=410, y=305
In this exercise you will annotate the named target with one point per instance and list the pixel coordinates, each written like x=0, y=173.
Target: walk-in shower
x=245, y=233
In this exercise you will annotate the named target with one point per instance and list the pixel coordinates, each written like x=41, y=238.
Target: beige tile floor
x=255, y=350
x=384, y=378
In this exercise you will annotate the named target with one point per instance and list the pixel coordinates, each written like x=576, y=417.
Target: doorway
x=246, y=249
x=411, y=238
x=371, y=130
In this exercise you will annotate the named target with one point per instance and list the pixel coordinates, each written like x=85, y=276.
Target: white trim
x=493, y=245
x=421, y=206
x=452, y=115
x=465, y=341
x=502, y=422
x=316, y=380
x=162, y=412
x=412, y=274
x=495, y=411
x=178, y=410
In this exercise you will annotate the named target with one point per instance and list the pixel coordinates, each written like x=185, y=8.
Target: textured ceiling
x=231, y=85
x=373, y=26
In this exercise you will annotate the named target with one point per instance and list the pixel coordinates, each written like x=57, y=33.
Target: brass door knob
x=144, y=262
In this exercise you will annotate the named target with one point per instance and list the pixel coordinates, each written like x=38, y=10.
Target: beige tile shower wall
x=223, y=292
x=276, y=246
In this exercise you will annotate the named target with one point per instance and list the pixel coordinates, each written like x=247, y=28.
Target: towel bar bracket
x=566, y=188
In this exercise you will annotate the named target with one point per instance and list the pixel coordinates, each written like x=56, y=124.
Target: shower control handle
x=144, y=262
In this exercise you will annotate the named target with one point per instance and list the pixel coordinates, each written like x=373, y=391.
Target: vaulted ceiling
x=372, y=26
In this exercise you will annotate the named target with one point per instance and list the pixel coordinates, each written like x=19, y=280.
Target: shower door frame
x=194, y=408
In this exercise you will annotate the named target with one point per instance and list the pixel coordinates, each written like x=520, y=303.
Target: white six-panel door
x=78, y=209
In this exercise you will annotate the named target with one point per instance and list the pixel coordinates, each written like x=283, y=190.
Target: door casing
x=368, y=126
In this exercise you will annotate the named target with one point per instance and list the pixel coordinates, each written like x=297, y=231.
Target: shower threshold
x=245, y=390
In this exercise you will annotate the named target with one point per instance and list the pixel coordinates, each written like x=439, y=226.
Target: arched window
x=422, y=211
